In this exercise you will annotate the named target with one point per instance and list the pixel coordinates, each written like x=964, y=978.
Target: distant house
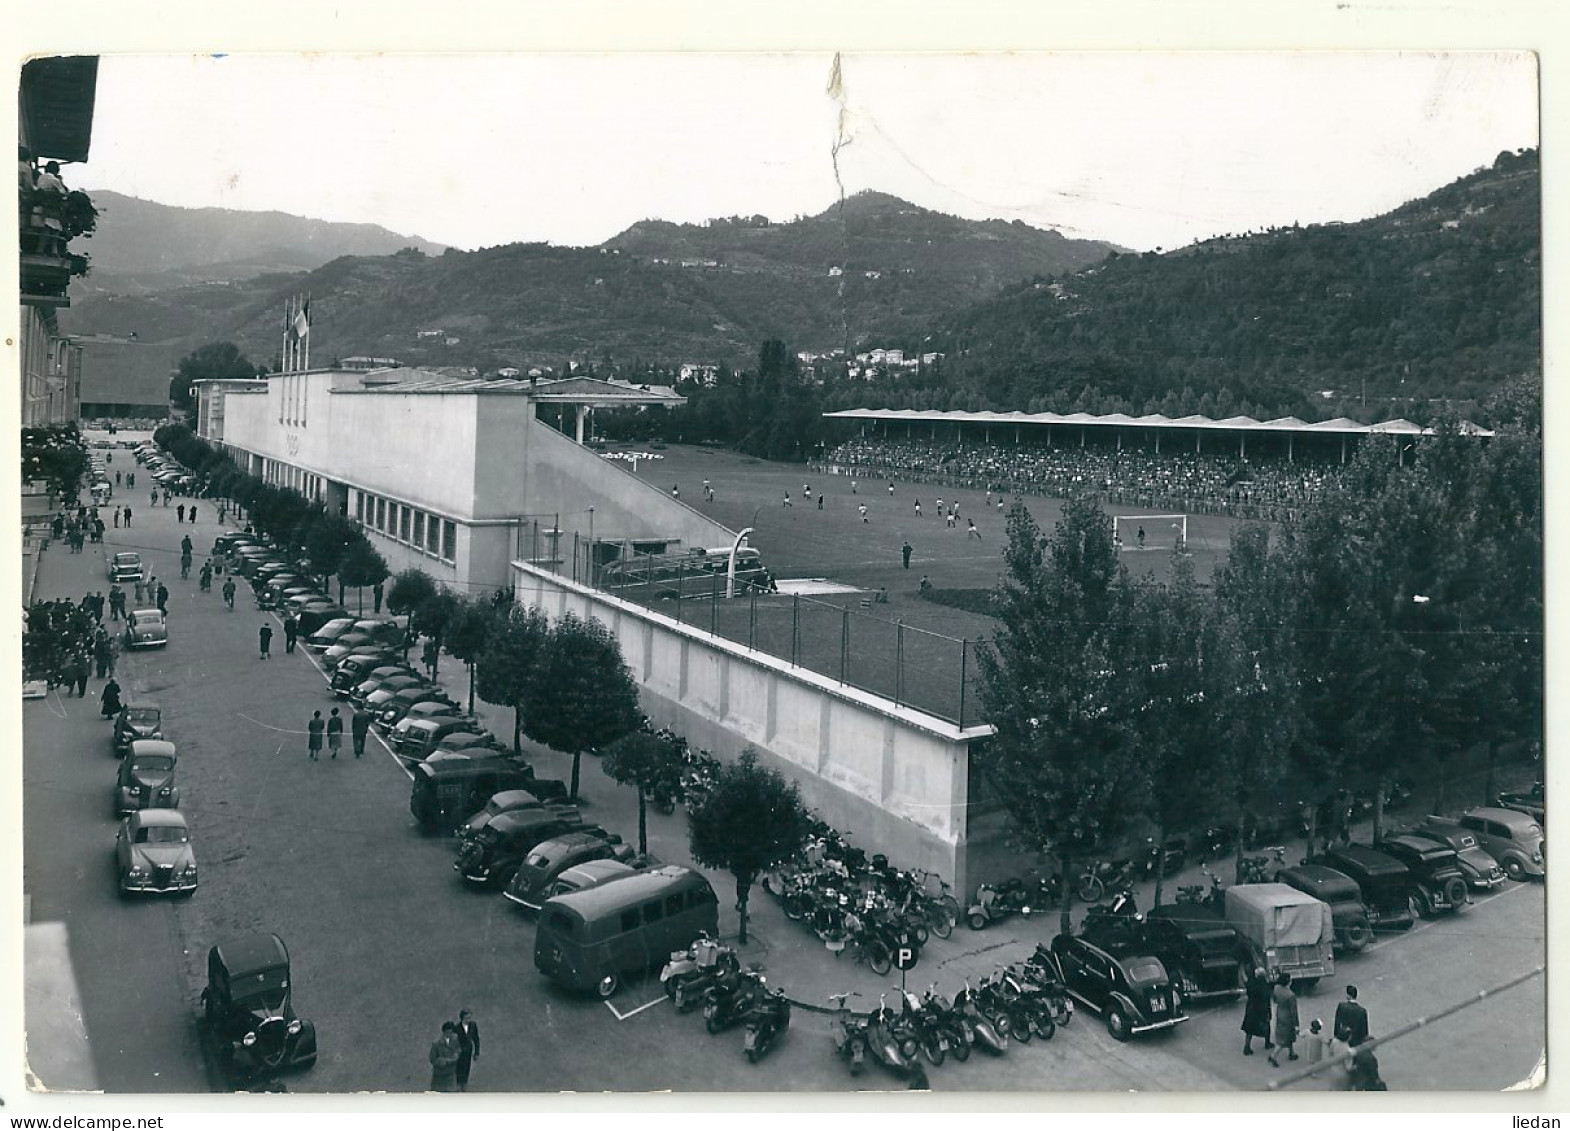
x=430, y=333
x=358, y=363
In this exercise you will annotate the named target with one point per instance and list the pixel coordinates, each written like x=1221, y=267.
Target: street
x=387, y=942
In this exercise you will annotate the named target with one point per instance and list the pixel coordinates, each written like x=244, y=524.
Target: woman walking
x=1286, y=1018
x=1256, y=1011
x=444, y=1059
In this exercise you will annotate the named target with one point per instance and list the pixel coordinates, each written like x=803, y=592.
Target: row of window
x=427, y=533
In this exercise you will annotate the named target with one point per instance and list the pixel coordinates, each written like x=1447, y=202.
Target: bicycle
x=1264, y=867
x=185, y=568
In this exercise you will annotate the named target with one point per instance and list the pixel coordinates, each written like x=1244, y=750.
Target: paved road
x=388, y=943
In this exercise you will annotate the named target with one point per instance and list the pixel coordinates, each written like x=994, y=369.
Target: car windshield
x=126, y=559
x=162, y=834
x=142, y=716
x=146, y=620
x=153, y=764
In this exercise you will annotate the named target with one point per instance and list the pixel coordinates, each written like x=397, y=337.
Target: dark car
x=501, y=802
x=329, y=632
x=444, y=794
x=1480, y=869
x=153, y=854
x=465, y=744
x=489, y=857
x=1388, y=888
x=146, y=778
x=535, y=878
x=1353, y=928
x=1529, y=801
x=313, y=612
x=414, y=738
x=355, y=669
x=249, y=1008
x=1131, y=991
x=1197, y=947
x=1514, y=839
x=125, y=567
x=388, y=714
x=1440, y=884
x=136, y=720
x=377, y=689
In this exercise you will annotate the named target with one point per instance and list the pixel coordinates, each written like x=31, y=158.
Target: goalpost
x=1160, y=531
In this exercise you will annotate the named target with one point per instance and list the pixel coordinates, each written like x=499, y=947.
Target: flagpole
x=307, y=335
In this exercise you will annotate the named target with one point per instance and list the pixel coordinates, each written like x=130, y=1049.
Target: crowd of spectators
x=1270, y=488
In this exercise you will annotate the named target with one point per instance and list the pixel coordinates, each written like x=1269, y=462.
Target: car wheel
x=977, y=921
x=1357, y=935
x=187, y=893
x=1456, y=893
x=1514, y=869
x=607, y=986
x=1118, y=1024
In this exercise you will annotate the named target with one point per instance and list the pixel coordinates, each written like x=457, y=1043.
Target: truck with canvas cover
x=1284, y=930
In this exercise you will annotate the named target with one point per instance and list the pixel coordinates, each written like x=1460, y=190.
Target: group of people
x=65, y=641
x=453, y=1054
x=83, y=526
x=1270, y=1012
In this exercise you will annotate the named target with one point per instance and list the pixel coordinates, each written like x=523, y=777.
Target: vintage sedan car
x=415, y=736
x=390, y=713
x=376, y=700
x=329, y=632
x=531, y=884
x=1131, y=991
x=1388, y=888
x=125, y=567
x=467, y=744
x=590, y=874
x=490, y=857
x=1511, y=838
x=388, y=677
x=146, y=628
x=153, y=854
x=249, y=1009
x=146, y=778
x=136, y=720
x=443, y=795
x=1440, y=884
x=355, y=669
x=1197, y=947
x=1479, y=868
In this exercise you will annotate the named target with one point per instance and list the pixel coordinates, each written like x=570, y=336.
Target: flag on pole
x=302, y=320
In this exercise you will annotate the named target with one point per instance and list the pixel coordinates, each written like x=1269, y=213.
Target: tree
x=580, y=694
x=646, y=762
x=361, y=566
x=751, y=821
x=326, y=542
x=506, y=666
x=435, y=617
x=468, y=636
x=411, y=588
x=214, y=361
x=1058, y=683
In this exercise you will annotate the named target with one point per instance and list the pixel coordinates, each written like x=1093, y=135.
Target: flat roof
x=568, y=390
x=1339, y=426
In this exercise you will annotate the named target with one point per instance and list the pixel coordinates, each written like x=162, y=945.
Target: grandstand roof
x=1340, y=425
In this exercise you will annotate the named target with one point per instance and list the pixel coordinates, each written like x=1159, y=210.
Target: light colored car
x=146, y=778
x=125, y=567
x=153, y=854
x=146, y=628
x=1514, y=839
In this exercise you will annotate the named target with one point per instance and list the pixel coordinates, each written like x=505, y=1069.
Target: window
x=403, y=523
x=381, y=514
x=450, y=541
x=653, y=912
x=433, y=534
x=673, y=904
x=419, y=528
x=359, y=506
x=629, y=920
x=698, y=897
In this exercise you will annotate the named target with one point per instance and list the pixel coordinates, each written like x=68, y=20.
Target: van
x=591, y=940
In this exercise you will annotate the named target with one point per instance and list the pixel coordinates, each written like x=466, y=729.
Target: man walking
x=313, y=731
x=1351, y=1023
x=360, y=725
x=291, y=632
x=116, y=602
x=179, y=513
x=376, y=595
x=128, y=518
x=163, y=598
x=116, y=513
x=335, y=733
x=905, y=551
x=468, y=1047
x=264, y=638
x=862, y=507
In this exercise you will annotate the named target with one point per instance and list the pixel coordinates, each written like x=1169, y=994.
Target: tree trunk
x=517, y=728
x=1379, y=811
x=1313, y=831
x=1242, y=820
x=1161, y=862
x=1066, y=882
x=643, y=823
x=340, y=591
x=470, y=665
x=577, y=756
x=359, y=598
x=743, y=887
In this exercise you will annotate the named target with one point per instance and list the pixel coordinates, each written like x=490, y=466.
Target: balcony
x=47, y=223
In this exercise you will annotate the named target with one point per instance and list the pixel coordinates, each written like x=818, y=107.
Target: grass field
x=920, y=663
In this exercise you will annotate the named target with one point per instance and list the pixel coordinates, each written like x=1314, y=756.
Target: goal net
x=1135, y=532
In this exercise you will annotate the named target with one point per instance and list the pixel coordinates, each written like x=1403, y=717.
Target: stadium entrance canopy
x=1154, y=426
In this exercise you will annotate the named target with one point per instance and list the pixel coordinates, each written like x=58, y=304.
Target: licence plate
x=1158, y=1005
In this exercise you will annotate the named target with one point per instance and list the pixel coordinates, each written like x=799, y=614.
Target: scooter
x=765, y=1021
x=943, y=1014
x=849, y=1034
x=929, y=1027
x=730, y=998
x=885, y=1047
x=995, y=904
x=983, y=1033
x=690, y=973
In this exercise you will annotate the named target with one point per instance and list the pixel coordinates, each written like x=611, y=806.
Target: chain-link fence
x=842, y=636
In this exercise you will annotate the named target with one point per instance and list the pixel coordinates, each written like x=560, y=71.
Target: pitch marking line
x=380, y=741
x=620, y=1016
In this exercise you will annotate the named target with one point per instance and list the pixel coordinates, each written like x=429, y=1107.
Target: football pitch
x=909, y=648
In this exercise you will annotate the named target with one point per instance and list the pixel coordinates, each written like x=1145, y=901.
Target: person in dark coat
x=163, y=598
x=335, y=732
x=1351, y=1024
x=291, y=633
x=81, y=670
x=376, y=596
x=1256, y=1011
x=313, y=731
x=1286, y=1018
x=360, y=725
x=264, y=636
x=444, y=1059
x=905, y=552
x=468, y=1047
x=109, y=704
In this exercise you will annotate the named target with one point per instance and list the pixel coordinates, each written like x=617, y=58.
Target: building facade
x=211, y=399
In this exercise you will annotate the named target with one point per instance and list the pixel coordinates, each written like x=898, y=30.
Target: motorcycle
x=1102, y=876
x=730, y=999
x=928, y=1027
x=849, y=1033
x=995, y=904
x=1264, y=867
x=1198, y=895
x=1001, y=1010
x=980, y=1029
x=765, y=1021
x=885, y=1048
x=941, y=1014
x=690, y=973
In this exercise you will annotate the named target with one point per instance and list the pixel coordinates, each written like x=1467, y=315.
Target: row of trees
x=57, y=456
x=1393, y=630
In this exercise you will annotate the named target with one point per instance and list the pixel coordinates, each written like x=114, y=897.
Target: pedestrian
x=1256, y=1011
x=468, y=1047
x=57, y=527
x=988, y=501
x=675, y=491
x=926, y=586
x=128, y=518
x=940, y=505
x=81, y=670
x=891, y=490
x=806, y=492
x=820, y=502
x=852, y=486
x=163, y=599
x=103, y=652
x=223, y=513
x=1351, y=1022
x=117, y=518
x=291, y=632
x=862, y=507
x=1314, y=1044
x=264, y=636
x=376, y=595
x=1363, y=1074
x=313, y=732
x=335, y=734
x=116, y=602
x=155, y=496
x=1286, y=1019
x=179, y=513
x=1000, y=504
x=228, y=592
x=952, y=516
x=918, y=508
x=905, y=551
x=359, y=727
x=444, y=1059
x=787, y=498
x=1140, y=537
x=141, y=592
x=192, y=515
x=109, y=704
x=117, y=479
x=429, y=655
x=168, y=494
x=972, y=524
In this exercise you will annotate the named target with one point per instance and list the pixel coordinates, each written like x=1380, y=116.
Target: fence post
x=575, y=555
x=795, y=627
x=752, y=617
x=714, y=604
x=964, y=653
x=844, y=641
x=681, y=582
x=899, y=661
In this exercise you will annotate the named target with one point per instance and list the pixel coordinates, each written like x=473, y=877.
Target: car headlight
x=295, y=1026
x=190, y=869
x=164, y=791
x=137, y=870
x=248, y=1040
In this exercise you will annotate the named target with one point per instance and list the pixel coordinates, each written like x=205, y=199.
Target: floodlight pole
x=730, y=569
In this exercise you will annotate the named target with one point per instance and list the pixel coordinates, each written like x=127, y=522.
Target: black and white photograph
x=810, y=570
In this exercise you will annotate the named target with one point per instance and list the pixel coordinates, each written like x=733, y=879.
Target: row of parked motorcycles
x=708, y=974
x=866, y=907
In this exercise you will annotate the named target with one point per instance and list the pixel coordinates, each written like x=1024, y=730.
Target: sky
x=1144, y=149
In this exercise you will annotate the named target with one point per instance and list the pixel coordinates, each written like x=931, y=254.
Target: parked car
x=355, y=669
x=389, y=713
x=1130, y=991
x=1440, y=884
x=1354, y=930
x=1512, y=838
x=434, y=709
x=490, y=856
x=464, y=744
x=1480, y=869
x=125, y=567
x=444, y=794
x=390, y=687
x=312, y=612
x=329, y=632
x=249, y=1009
x=531, y=884
x=1286, y=931
x=146, y=628
x=230, y=540
x=146, y=778
x=1199, y=950
x=590, y=874
x=500, y=803
x=1388, y=887
x=153, y=854
x=414, y=737
x=394, y=677
x=1529, y=801
x=136, y=720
